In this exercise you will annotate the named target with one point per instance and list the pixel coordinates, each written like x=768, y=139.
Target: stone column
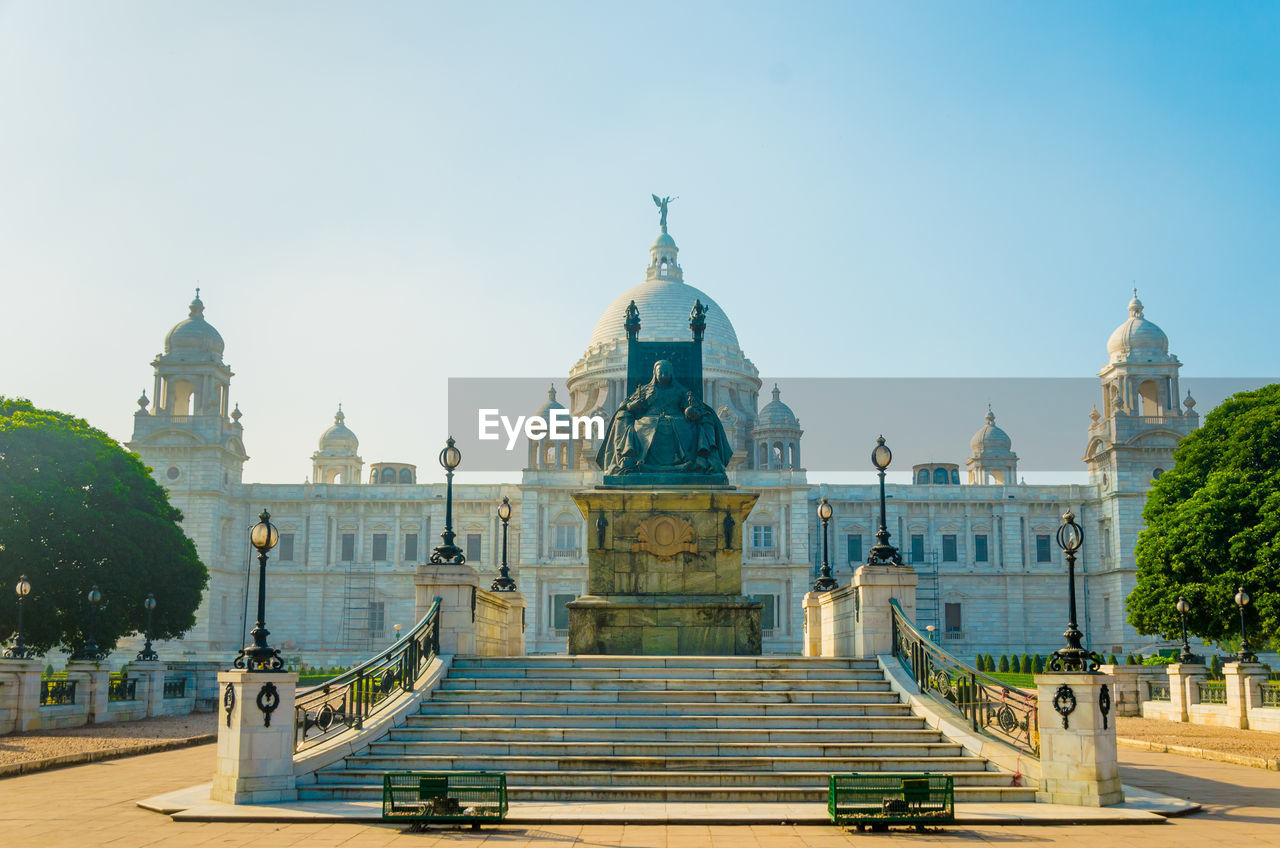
x=515, y=623
x=1184, y=679
x=812, y=625
x=256, y=740
x=876, y=585
x=455, y=584
x=1243, y=680
x=1129, y=686
x=152, y=675
x=1078, y=762
x=92, y=681
x=23, y=682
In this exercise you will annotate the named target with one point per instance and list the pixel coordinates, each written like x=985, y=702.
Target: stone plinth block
x=20, y=692
x=255, y=738
x=870, y=619
x=1078, y=761
x=664, y=574
x=456, y=585
x=1129, y=683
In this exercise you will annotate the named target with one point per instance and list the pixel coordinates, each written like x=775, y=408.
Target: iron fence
x=344, y=702
x=1158, y=690
x=57, y=691
x=175, y=687
x=1270, y=694
x=996, y=709
x=1212, y=692
x=122, y=689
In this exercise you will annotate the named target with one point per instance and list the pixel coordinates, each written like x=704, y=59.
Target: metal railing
x=762, y=553
x=1212, y=692
x=175, y=687
x=1269, y=694
x=57, y=691
x=996, y=709
x=122, y=689
x=1158, y=690
x=343, y=703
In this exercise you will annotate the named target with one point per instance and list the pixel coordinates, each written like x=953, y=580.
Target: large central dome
x=664, y=315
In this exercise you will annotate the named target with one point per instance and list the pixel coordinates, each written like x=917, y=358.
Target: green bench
x=879, y=800
x=446, y=797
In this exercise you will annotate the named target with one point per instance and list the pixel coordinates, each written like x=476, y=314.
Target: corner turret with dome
x=337, y=460
x=1138, y=339
x=991, y=457
x=776, y=436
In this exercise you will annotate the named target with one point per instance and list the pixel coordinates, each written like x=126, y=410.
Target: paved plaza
x=95, y=804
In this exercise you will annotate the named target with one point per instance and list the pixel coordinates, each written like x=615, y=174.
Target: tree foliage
x=78, y=510
x=1213, y=524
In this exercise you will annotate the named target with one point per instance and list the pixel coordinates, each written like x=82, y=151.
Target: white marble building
x=991, y=577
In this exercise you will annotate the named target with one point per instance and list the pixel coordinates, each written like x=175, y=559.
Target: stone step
x=678, y=684
x=465, y=706
x=707, y=750
x=687, y=794
x=613, y=661
x=441, y=761
x=676, y=735
x=789, y=674
x=596, y=778
x=632, y=696
x=517, y=719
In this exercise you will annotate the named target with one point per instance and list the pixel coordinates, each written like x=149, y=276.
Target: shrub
x=1024, y=665
x=1131, y=660
x=1111, y=659
x=1004, y=663
x=1038, y=665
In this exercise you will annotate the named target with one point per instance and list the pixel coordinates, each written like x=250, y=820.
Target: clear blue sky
x=376, y=197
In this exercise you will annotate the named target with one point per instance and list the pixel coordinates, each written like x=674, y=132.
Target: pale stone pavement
x=94, y=805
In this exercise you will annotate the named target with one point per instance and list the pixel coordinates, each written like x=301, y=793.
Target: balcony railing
x=564, y=553
x=56, y=692
x=762, y=553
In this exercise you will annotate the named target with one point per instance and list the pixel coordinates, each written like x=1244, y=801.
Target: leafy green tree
x=1213, y=524
x=78, y=510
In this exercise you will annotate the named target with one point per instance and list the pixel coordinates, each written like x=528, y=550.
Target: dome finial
x=339, y=417
x=551, y=392
x=1135, y=305
x=661, y=203
x=777, y=393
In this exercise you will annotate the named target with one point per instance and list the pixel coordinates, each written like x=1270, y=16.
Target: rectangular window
x=952, y=620
x=566, y=538
x=473, y=547
x=286, y=547
x=559, y=612
x=377, y=619
x=855, y=549
x=949, y=548
x=917, y=548
x=980, y=548
x=379, y=547
x=762, y=536
x=769, y=613
x=348, y=547
x=1042, y=548
x=1106, y=611
x=410, y=547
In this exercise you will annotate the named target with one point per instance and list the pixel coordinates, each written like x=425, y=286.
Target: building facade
x=991, y=576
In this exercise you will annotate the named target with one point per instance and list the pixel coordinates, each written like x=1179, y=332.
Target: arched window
x=955, y=476
x=922, y=476
x=1149, y=393
x=763, y=461
x=940, y=476
x=388, y=475
x=406, y=476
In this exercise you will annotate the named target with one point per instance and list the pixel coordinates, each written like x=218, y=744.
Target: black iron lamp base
x=825, y=584
x=447, y=553
x=254, y=658
x=147, y=654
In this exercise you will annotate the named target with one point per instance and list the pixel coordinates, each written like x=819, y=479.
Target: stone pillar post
x=151, y=673
x=256, y=738
x=1129, y=686
x=515, y=623
x=24, y=696
x=1078, y=761
x=873, y=618
x=92, y=681
x=1184, y=680
x=455, y=585
x=1243, y=680
x=812, y=625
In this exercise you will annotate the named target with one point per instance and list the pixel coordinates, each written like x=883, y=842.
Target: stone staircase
x=673, y=729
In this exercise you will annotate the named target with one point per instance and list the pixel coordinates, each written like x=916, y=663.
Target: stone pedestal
x=92, y=681
x=515, y=623
x=664, y=574
x=875, y=586
x=456, y=586
x=1078, y=763
x=1243, y=680
x=1184, y=683
x=22, y=680
x=255, y=747
x=1129, y=686
x=152, y=674
x=813, y=624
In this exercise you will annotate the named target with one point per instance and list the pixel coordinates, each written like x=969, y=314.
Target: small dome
x=664, y=239
x=990, y=440
x=544, y=411
x=776, y=414
x=339, y=437
x=1137, y=338
x=194, y=335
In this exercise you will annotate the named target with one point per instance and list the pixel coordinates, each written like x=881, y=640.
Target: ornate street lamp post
x=397, y=629
x=1183, y=608
x=931, y=628
x=882, y=552
x=504, y=583
x=90, y=649
x=825, y=582
x=1246, y=655
x=260, y=656
x=1074, y=657
x=147, y=654
x=19, y=651
x=450, y=458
